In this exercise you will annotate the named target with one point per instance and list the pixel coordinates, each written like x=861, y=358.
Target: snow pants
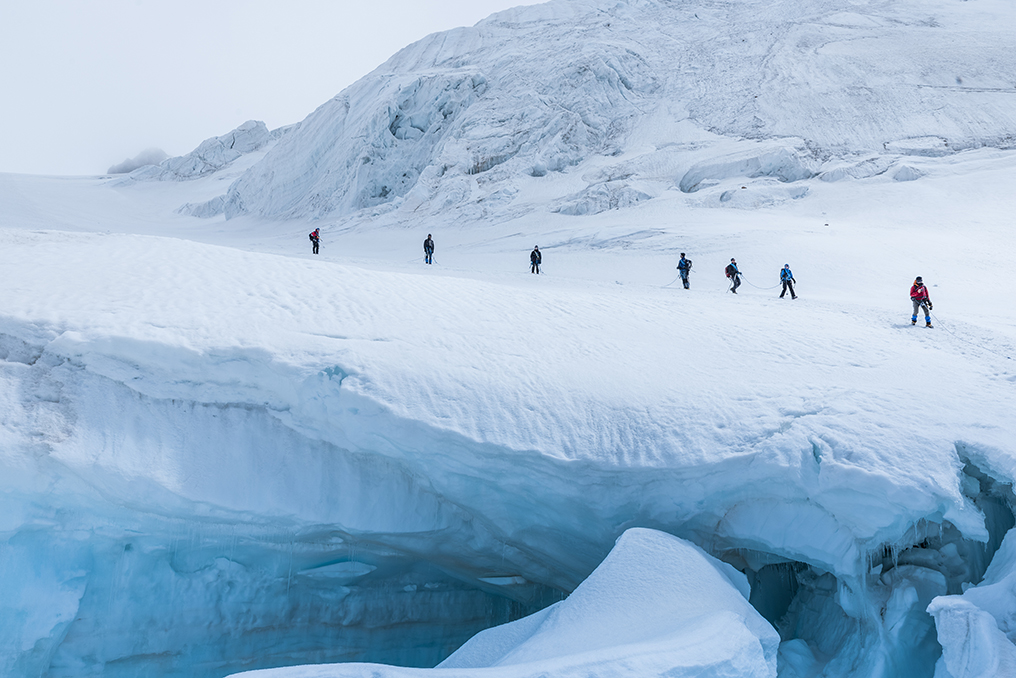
x=684, y=278
x=918, y=305
x=428, y=256
x=787, y=285
x=315, y=244
x=535, y=267
x=737, y=283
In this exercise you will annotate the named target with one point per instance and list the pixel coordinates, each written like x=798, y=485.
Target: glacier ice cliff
x=270, y=475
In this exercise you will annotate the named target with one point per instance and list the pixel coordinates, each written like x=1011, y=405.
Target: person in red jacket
x=919, y=295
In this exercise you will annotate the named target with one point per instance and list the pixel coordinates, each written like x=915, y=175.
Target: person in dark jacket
x=921, y=300
x=535, y=259
x=315, y=239
x=428, y=250
x=787, y=278
x=734, y=274
x=684, y=268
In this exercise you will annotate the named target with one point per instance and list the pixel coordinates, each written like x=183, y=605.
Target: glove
x=930, y=307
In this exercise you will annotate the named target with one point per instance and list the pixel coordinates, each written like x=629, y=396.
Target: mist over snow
x=221, y=453
x=149, y=156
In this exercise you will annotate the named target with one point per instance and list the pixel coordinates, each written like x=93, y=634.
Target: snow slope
x=682, y=94
x=221, y=453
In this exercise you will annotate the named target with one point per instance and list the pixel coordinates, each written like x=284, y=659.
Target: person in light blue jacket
x=787, y=278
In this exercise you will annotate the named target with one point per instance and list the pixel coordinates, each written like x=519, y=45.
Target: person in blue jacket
x=734, y=274
x=787, y=278
x=684, y=268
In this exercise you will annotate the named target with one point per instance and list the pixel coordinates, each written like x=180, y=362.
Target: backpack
x=730, y=270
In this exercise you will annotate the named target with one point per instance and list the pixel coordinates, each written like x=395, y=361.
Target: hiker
x=535, y=259
x=787, y=278
x=734, y=275
x=315, y=239
x=684, y=268
x=919, y=295
x=428, y=250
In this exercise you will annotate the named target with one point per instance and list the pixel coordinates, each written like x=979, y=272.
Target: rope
x=938, y=322
x=672, y=282
x=756, y=286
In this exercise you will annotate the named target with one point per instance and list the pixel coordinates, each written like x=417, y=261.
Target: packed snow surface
x=222, y=453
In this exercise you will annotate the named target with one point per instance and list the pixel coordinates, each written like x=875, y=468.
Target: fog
x=87, y=85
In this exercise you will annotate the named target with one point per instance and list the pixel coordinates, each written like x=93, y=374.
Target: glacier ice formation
x=269, y=465
x=217, y=460
x=472, y=112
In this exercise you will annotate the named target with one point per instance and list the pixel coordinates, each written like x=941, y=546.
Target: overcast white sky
x=88, y=83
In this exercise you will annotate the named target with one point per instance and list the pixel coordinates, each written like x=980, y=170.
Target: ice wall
x=270, y=463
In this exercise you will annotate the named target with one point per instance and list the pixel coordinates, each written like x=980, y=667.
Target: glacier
x=778, y=89
x=221, y=453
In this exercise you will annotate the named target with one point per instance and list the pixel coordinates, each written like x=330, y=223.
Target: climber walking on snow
x=535, y=259
x=684, y=268
x=428, y=250
x=734, y=274
x=787, y=278
x=315, y=239
x=919, y=295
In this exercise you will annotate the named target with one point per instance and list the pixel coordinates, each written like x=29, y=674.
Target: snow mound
x=907, y=173
x=532, y=92
x=652, y=589
x=211, y=155
x=782, y=163
x=657, y=605
x=864, y=169
x=149, y=156
x=610, y=195
x=204, y=210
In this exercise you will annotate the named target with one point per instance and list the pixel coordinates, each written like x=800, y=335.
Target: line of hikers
x=918, y=292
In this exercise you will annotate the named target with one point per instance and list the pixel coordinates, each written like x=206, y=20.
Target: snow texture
x=462, y=115
x=219, y=452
